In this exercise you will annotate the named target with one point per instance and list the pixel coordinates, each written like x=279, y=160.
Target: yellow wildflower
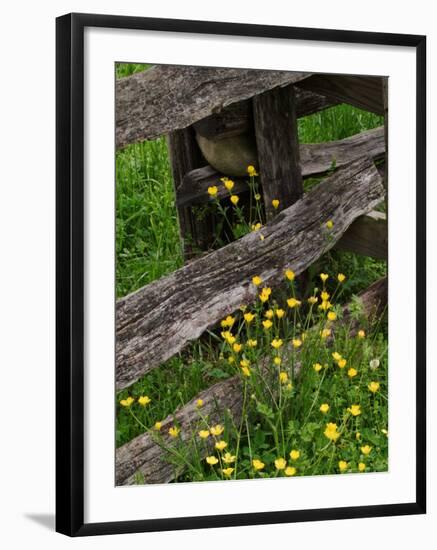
x=235, y=199
x=211, y=460
x=199, y=403
x=231, y=359
x=252, y=343
x=174, y=431
x=158, y=425
x=352, y=372
x=280, y=463
x=332, y=316
x=331, y=431
x=249, y=317
x=317, y=367
x=290, y=471
x=279, y=313
x=313, y=300
x=256, y=226
x=329, y=224
x=275, y=203
x=289, y=386
x=220, y=445
x=217, y=429
x=342, y=465
x=292, y=302
x=294, y=454
x=276, y=343
x=355, y=410
x=336, y=356
x=229, y=184
x=244, y=363
x=342, y=363
x=283, y=377
x=246, y=371
x=361, y=466
x=366, y=449
x=228, y=458
x=144, y=400
x=341, y=278
x=237, y=347
x=257, y=464
x=384, y=431
x=265, y=294
x=251, y=171
x=257, y=197
x=267, y=324
x=324, y=296
x=277, y=361
x=203, y=434
x=212, y=190
x=297, y=342
x=257, y=280
x=127, y=402
x=227, y=471
x=324, y=277
x=358, y=436
x=325, y=305
x=269, y=314
x=325, y=333
x=361, y=334
x=289, y=274
x=324, y=408
x=373, y=387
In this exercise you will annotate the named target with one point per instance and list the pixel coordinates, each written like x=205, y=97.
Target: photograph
x=251, y=248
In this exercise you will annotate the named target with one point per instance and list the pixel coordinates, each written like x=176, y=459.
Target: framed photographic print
x=240, y=274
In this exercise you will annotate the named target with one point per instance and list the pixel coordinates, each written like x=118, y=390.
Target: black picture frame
x=70, y=272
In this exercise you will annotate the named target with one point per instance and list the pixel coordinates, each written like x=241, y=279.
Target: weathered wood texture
x=185, y=156
x=274, y=114
x=367, y=236
x=238, y=118
x=157, y=321
x=385, y=103
x=143, y=454
x=167, y=98
x=315, y=158
x=364, y=92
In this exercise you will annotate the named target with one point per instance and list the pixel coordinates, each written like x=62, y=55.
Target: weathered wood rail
x=142, y=454
x=157, y=321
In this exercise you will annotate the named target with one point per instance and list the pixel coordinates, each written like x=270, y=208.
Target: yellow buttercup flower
x=158, y=425
x=265, y=294
x=227, y=471
x=257, y=464
x=361, y=466
x=174, y=431
x=373, y=387
x=244, y=363
x=366, y=449
x=331, y=431
x=292, y=302
x=297, y=342
x=294, y=454
x=342, y=363
x=144, y=400
x=256, y=226
x=211, y=460
x=251, y=171
x=325, y=305
x=213, y=190
x=277, y=361
x=279, y=313
x=324, y=296
x=290, y=471
x=217, y=430
x=220, y=445
x=229, y=184
x=343, y=465
x=203, y=434
x=228, y=458
x=127, y=402
x=283, y=377
x=289, y=274
x=257, y=280
x=280, y=463
x=329, y=224
x=237, y=347
x=325, y=333
x=231, y=359
x=313, y=300
x=352, y=372
x=228, y=322
x=275, y=203
x=252, y=343
x=324, y=277
x=336, y=356
x=341, y=278
x=317, y=367
x=269, y=314
x=246, y=371
x=289, y=386
x=276, y=343
x=332, y=316
x=235, y=199
x=361, y=334
x=199, y=403
x=324, y=408
x=249, y=317
x=355, y=410
x=267, y=324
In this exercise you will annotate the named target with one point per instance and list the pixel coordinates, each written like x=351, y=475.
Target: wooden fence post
x=278, y=147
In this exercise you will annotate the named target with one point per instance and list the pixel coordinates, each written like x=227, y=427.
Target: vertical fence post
x=278, y=147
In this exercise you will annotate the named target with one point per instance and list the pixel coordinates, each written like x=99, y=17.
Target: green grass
x=148, y=247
